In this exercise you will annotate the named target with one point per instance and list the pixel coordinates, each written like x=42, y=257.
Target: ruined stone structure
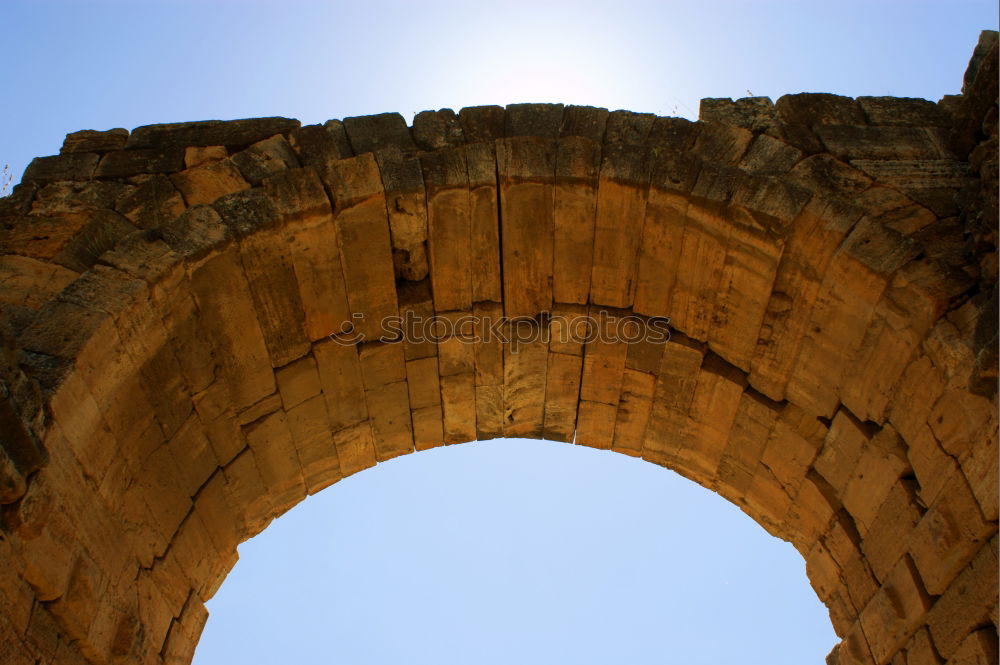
x=169, y=382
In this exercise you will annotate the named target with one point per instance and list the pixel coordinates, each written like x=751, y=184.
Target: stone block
x=489, y=411
x=274, y=453
x=128, y=163
x=437, y=129
x=966, y=603
x=449, y=232
x=207, y=182
x=811, y=109
x=713, y=408
x=541, y=120
x=889, y=535
x=72, y=166
x=562, y=394
x=298, y=381
x=355, y=448
x=428, y=426
x=314, y=250
x=660, y=252
x=366, y=257
x=407, y=208
x=30, y=282
x=752, y=113
x=195, y=156
x=340, y=375
x=265, y=158
x=902, y=111
x=815, y=235
x=949, y=535
x=89, y=140
x=240, y=342
x=423, y=382
x=310, y=428
x=458, y=407
x=634, y=407
x=574, y=214
x=526, y=169
x=896, y=611
x=755, y=419
x=595, y=424
x=770, y=156
x=979, y=648
x=389, y=407
x=482, y=123
x=584, y=121
x=373, y=133
x=524, y=369
x=603, y=366
x=485, y=225
x=850, y=142
x=153, y=204
x=880, y=465
x=317, y=145
x=745, y=286
x=722, y=144
x=234, y=134
x=980, y=469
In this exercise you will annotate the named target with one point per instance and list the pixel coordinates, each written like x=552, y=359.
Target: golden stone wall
x=175, y=369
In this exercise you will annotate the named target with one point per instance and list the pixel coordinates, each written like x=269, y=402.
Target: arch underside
x=177, y=372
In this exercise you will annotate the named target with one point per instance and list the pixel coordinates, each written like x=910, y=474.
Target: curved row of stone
x=170, y=390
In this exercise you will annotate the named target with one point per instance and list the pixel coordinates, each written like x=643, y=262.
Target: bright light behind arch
x=465, y=556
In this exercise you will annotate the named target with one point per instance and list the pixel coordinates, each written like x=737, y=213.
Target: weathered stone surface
x=152, y=204
x=308, y=220
x=966, y=603
x=196, y=155
x=230, y=133
x=752, y=113
x=265, y=158
x=30, y=282
x=948, y=535
x=482, y=123
x=207, y=182
x=437, y=129
x=979, y=648
x=827, y=265
x=320, y=144
x=544, y=120
x=770, y=156
x=126, y=163
x=89, y=140
x=374, y=133
x=526, y=223
x=72, y=240
x=902, y=111
x=406, y=205
x=584, y=121
x=480, y=160
x=269, y=273
x=73, y=166
x=574, y=215
x=365, y=245
x=449, y=229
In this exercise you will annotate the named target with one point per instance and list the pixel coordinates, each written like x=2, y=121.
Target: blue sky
x=504, y=552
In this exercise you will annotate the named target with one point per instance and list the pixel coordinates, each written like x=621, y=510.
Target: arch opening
x=515, y=551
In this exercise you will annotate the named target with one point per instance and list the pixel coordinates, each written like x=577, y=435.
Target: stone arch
x=176, y=372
